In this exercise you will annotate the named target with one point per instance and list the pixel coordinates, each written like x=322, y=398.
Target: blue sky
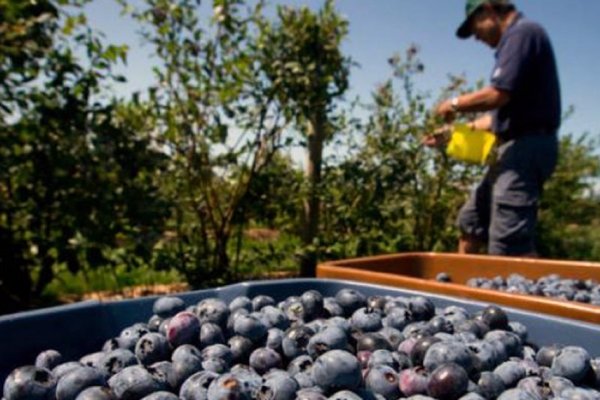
x=379, y=28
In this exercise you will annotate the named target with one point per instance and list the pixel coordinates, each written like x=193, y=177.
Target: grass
x=107, y=279
x=260, y=256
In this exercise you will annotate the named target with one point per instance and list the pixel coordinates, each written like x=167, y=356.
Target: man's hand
x=446, y=111
x=439, y=138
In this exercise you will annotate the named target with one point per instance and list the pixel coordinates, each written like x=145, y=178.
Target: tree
x=216, y=119
x=76, y=183
x=392, y=194
x=305, y=63
x=569, y=227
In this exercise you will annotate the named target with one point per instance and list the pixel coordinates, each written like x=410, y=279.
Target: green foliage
x=179, y=182
x=391, y=193
x=569, y=212
x=76, y=181
x=215, y=115
x=309, y=74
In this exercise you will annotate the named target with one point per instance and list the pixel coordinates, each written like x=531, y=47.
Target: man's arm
x=442, y=135
x=486, y=99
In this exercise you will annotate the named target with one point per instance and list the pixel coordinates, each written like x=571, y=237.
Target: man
x=524, y=111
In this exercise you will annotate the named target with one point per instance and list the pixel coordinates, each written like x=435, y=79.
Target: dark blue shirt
x=526, y=68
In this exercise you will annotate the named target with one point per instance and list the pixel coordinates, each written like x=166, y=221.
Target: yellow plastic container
x=471, y=146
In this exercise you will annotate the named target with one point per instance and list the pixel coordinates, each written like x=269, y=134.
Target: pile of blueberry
x=583, y=291
x=312, y=347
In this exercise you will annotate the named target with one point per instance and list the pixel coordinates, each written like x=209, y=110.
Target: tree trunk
x=316, y=135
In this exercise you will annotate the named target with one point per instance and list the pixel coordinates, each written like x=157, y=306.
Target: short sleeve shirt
x=526, y=68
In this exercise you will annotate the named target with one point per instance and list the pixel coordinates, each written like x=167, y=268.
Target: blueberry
x=274, y=318
x=485, y=356
x=455, y=314
x=74, y=382
x=264, y=359
x=240, y=302
x=250, y=327
x=96, y=393
x=275, y=339
x=372, y=341
x=299, y=364
x=490, y=385
x=60, y=370
x=154, y=323
x=217, y=358
x=226, y=387
x=510, y=340
x=167, y=306
x=413, y=381
x=92, y=359
x=196, y=386
x=339, y=322
x=448, y=382
x=407, y=345
x=164, y=372
x=495, y=317
x=260, y=301
x=345, y=395
x=233, y=316
x=295, y=341
x=593, y=378
x=472, y=396
x=515, y=394
x=151, y=348
x=417, y=329
x=580, y=394
x=332, y=308
x=474, y=326
x=519, y=329
x=162, y=395
x=212, y=310
x=376, y=303
x=294, y=311
x=441, y=324
x=48, y=359
x=534, y=386
x=241, y=347
x=397, y=318
x=278, y=387
x=114, y=361
x=133, y=383
x=350, y=300
x=417, y=353
x=421, y=308
x=511, y=372
x=210, y=334
x=572, y=363
x=393, y=335
x=386, y=357
x=248, y=377
x=313, y=303
x=329, y=339
x=183, y=328
x=337, y=370
x=130, y=335
x=383, y=379
x=366, y=320
x=30, y=383
x=546, y=354
x=310, y=394
x=448, y=352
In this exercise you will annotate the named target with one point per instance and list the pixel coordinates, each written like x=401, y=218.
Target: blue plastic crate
x=79, y=329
